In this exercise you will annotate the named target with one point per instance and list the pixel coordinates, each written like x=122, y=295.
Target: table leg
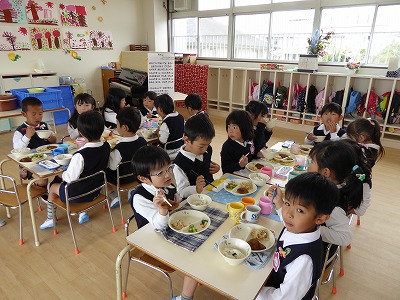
x=28, y=190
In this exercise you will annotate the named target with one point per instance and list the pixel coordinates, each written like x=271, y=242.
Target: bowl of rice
x=234, y=250
x=199, y=201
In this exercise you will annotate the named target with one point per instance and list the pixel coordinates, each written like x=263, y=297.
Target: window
x=352, y=27
x=386, y=39
x=185, y=35
x=214, y=4
x=289, y=33
x=213, y=37
x=251, y=2
x=251, y=36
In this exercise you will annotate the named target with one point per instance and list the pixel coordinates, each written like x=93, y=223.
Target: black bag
x=301, y=101
x=280, y=96
x=394, y=107
x=338, y=97
x=312, y=94
x=267, y=92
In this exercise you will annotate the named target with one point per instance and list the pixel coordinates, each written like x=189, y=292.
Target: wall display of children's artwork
x=74, y=38
x=73, y=15
x=14, y=38
x=41, y=12
x=12, y=11
x=101, y=40
x=45, y=38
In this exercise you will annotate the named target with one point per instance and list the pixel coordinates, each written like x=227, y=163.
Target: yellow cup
x=248, y=201
x=235, y=209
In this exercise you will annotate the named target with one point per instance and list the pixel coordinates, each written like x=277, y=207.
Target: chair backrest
x=4, y=190
x=102, y=185
x=124, y=170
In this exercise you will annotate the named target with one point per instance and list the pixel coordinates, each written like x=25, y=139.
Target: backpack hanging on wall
x=301, y=102
x=319, y=101
x=383, y=105
x=296, y=93
x=267, y=92
x=354, y=101
x=394, y=108
x=280, y=96
x=338, y=98
x=311, y=95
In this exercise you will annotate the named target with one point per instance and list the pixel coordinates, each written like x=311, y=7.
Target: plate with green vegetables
x=189, y=221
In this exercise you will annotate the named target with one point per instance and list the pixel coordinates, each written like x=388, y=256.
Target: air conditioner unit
x=180, y=5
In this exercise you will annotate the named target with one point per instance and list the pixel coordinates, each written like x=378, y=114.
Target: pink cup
x=266, y=205
x=268, y=171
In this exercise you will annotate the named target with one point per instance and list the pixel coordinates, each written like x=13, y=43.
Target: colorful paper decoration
x=101, y=40
x=45, y=38
x=75, y=39
x=41, y=12
x=14, y=57
x=100, y=19
x=14, y=38
x=12, y=11
x=73, y=53
x=73, y=15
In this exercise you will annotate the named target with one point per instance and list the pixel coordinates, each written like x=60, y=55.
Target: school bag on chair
x=312, y=94
x=280, y=96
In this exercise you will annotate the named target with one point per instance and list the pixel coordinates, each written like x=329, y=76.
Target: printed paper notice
x=161, y=73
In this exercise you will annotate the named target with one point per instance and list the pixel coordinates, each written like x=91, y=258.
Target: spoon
x=165, y=199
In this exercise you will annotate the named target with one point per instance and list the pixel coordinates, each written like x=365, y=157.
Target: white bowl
x=268, y=153
x=199, y=201
x=148, y=133
x=106, y=133
x=259, y=178
x=63, y=159
x=20, y=152
x=232, y=247
x=44, y=134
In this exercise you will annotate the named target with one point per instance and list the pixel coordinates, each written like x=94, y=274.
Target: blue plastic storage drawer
x=51, y=98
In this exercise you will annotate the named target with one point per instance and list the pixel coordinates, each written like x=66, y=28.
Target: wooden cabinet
x=26, y=80
x=106, y=74
x=228, y=89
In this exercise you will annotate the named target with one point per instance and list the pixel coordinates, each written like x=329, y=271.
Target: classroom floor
x=54, y=271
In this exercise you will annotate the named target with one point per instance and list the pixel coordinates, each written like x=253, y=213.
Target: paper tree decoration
x=73, y=15
x=12, y=11
x=14, y=38
x=45, y=38
x=41, y=12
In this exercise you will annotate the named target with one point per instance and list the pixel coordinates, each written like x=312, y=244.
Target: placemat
x=194, y=241
x=256, y=260
x=225, y=197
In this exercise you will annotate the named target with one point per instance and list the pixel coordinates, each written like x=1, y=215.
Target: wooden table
x=205, y=264
x=18, y=113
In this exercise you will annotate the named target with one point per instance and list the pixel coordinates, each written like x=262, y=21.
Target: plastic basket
x=51, y=98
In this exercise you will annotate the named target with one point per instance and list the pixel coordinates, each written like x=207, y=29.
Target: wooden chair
x=142, y=258
x=16, y=195
x=77, y=208
x=120, y=187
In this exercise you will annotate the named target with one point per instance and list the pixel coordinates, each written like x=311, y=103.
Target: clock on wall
x=308, y=63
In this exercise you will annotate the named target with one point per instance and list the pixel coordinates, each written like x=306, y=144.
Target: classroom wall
x=124, y=18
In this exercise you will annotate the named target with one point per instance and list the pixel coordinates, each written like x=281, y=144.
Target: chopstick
x=242, y=157
x=208, y=182
x=165, y=199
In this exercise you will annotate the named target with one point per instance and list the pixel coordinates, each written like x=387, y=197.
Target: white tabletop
x=205, y=264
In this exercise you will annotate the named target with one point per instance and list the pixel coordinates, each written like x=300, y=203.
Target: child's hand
x=149, y=115
x=243, y=161
x=331, y=126
x=158, y=200
x=157, y=132
x=30, y=131
x=200, y=184
x=52, y=139
x=278, y=200
x=311, y=137
x=214, y=167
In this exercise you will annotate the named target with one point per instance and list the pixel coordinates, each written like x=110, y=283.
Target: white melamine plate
x=239, y=183
x=35, y=157
x=253, y=166
x=47, y=148
x=188, y=218
x=243, y=232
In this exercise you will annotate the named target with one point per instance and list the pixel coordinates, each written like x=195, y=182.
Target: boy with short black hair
x=170, y=133
x=193, y=162
x=331, y=115
x=89, y=159
x=128, y=122
x=147, y=108
x=298, y=261
x=193, y=104
x=152, y=166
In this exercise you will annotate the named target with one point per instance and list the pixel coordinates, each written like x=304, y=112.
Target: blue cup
x=57, y=151
x=64, y=147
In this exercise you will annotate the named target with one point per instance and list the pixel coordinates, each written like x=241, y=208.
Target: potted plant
x=316, y=48
x=352, y=67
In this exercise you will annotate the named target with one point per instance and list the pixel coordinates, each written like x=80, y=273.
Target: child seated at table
x=82, y=102
x=115, y=100
x=152, y=166
x=25, y=134
x=298, y=260
x=170, y=133
x=147, y=108
x=193, y=165
x=193, y=104
x=89, y=159
x=258, y=111
x=128, y=122
x=238, y=149
x=331, y=115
